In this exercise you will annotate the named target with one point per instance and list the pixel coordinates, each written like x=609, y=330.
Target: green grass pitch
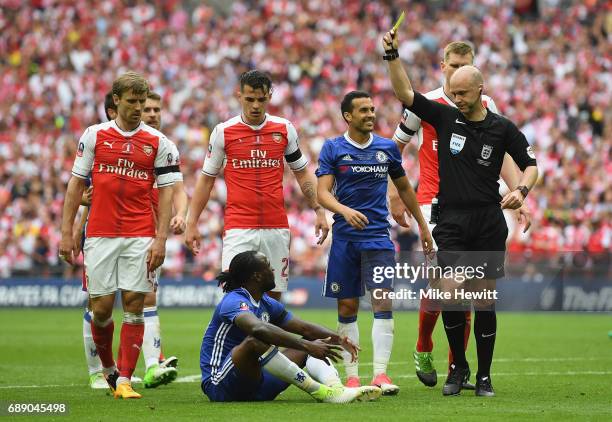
x=547, y=366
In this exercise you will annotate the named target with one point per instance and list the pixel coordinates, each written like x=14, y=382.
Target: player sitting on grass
x=240, y=357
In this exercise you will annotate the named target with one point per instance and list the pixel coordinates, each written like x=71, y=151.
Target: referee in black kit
x=471, y=144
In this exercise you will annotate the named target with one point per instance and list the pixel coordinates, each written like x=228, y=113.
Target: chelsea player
x=352, y=183
x=240, y=359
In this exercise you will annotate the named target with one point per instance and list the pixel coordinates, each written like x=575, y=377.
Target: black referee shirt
x=470, y=154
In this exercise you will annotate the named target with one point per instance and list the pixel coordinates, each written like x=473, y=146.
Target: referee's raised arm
x=399, y=79
x=427, y=110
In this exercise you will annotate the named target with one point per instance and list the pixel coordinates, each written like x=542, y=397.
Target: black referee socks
x=454, y=325
x=485, y=328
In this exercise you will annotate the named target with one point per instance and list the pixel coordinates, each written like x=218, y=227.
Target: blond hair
x=460, y=48
x=130, y=81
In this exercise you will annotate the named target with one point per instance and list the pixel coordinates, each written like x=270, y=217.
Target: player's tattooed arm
x=308, y=185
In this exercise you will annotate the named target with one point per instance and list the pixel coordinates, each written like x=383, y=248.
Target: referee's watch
x=524, y=190
x=391, y=54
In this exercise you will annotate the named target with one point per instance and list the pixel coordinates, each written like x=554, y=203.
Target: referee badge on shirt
x=486, y=151
x=530, y=152
x=456, y=143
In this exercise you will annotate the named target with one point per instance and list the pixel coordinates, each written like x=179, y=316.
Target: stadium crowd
x=547, y=64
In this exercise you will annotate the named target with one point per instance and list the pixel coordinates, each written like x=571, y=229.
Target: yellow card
x=399, y=22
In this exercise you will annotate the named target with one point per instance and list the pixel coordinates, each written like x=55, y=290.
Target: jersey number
x=285, y=262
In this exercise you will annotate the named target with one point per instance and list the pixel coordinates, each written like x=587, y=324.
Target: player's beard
x=365, y=128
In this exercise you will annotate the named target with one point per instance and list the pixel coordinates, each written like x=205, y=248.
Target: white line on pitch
x=197, y=378
x=507, y=360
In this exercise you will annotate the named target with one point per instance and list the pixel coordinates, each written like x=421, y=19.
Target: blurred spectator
x=548, y=64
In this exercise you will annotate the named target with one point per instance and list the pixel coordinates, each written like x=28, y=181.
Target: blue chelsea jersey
x=360, y=173
x=222, y=335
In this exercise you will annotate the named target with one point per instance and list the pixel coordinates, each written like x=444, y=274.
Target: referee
x=472, y=141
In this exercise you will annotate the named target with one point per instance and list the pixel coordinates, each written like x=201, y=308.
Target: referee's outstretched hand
x=356, y=219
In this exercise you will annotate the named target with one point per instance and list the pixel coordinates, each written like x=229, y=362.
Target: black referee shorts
x=473, y=237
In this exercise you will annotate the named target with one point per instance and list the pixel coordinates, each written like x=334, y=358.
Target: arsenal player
x=123, y=247
x=255, y=146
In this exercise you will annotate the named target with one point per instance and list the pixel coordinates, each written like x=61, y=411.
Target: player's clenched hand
x=512, y=201
x=356, y=219
x=399, y=211
x=66, y=248
x=156, y=254
x=389, y=41
x=192, y=239
x=177, y=224
x=524, y=216
x=321, y=350
x=321, y=226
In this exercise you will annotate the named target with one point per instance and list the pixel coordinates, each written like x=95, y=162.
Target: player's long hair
x=241, y=269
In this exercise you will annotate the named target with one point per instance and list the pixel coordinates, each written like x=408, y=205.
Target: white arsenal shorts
x=113, y=263
x=273, y=243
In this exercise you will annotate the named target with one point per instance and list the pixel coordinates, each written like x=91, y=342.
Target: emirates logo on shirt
x=123, y=168
x=259, y=159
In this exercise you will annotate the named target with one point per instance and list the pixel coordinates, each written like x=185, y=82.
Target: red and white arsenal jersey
x=123, y=167
x=428, y=143
x=254, y=169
